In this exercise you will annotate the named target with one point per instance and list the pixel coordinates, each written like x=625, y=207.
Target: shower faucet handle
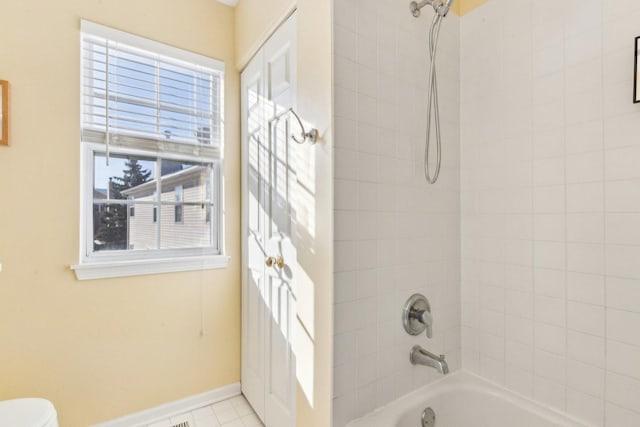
x=417, y=317
x=427, y=319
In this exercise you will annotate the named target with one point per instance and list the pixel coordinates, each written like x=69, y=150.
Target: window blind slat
x=138, y=61
x=202, y=82
x=175, y=131
x=158, y=105
x=201, y=99
x=152, y=79
x=186, y=95
x=136, y=140
x=198, y=117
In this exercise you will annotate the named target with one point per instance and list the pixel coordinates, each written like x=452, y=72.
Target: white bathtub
x=465, y=400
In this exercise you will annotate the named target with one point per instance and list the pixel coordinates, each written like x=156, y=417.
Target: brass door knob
x=280, y=261
x=271, y=261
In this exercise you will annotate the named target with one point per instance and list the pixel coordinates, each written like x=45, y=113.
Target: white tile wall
x=394, y=234
x=550, y=176
x=550, y=194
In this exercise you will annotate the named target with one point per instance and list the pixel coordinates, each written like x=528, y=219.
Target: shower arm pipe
x=440, y=6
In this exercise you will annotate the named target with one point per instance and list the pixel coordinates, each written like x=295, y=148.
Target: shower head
x=444, y=9
x=440, y=6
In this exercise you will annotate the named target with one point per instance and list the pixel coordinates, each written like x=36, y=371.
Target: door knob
x=271, y=261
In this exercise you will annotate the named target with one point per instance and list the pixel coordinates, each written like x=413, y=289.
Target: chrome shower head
x=440, y=6
x=444, y=9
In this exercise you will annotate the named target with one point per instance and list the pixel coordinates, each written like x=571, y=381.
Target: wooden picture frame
x=4, y=113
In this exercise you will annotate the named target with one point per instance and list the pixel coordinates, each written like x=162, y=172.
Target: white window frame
x=106, y=264
x=91, y=256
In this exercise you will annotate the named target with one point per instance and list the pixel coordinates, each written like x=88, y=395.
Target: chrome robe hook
x=310, y=136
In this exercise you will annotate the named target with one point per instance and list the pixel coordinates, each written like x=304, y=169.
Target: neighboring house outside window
x=152, y=133
x=179, y=208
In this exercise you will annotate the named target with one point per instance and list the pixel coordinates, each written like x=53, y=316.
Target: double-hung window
x=152, y=132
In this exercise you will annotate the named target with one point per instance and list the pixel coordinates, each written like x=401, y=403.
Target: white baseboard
x=181, y=406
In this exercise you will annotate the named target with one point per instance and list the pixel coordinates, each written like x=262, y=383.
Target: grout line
x=356, y=388
x=533, y=222
x=604, y=211
x=505, y=239
x=566, y=236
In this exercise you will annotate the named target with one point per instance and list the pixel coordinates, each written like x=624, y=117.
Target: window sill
x=105, y=270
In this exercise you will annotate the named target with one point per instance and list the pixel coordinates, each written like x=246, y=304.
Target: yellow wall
x=101, y=349
x=462, y=7
x=255, y=20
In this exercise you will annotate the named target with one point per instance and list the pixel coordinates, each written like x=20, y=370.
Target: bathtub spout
x=420, y=356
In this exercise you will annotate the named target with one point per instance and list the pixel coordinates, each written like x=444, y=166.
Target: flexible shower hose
x=433, y=105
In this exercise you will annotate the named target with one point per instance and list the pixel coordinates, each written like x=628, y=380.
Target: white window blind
x=134, y=94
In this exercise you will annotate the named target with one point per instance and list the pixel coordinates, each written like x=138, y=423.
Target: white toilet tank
x=28, y=413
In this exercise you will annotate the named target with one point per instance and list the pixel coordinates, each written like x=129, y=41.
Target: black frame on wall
x=636, y=77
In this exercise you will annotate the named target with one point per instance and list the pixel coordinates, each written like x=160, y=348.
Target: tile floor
x=234, y=412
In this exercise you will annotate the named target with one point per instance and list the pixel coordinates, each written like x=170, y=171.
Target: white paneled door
x=269, y=254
